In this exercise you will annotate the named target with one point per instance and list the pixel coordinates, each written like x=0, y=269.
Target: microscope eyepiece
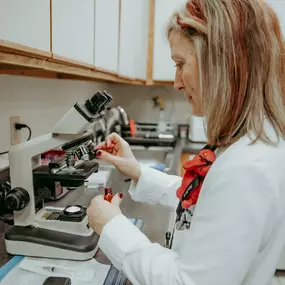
x=109, y=97
x=98, y=102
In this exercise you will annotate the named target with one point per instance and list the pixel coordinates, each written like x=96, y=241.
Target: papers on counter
x=33, y=271
x=98, y=179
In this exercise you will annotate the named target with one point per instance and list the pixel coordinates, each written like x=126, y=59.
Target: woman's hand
x=118, y=152
x=100, y=211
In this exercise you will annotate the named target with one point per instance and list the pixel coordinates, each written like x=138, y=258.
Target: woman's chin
x=196, y=111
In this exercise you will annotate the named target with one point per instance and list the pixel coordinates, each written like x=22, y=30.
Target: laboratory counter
x=157, y=220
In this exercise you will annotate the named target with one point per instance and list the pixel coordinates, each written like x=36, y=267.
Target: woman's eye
x=178, y=65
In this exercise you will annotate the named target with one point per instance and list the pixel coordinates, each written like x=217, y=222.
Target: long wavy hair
x=241, y=58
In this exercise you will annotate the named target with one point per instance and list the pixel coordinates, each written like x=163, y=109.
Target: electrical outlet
x=15, y=135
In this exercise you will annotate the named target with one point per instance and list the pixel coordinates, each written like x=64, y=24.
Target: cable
x=30, y=133
x=18, y=127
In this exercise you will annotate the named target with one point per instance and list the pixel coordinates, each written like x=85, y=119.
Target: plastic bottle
x=108, y=194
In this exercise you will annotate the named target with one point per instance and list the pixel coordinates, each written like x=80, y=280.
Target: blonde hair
x=241, y=57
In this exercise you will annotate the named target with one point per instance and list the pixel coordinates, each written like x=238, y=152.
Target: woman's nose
x=178, y=83
x=178, y=88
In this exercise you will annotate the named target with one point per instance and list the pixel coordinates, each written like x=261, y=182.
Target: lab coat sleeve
x=155, y=187
x=227, y=232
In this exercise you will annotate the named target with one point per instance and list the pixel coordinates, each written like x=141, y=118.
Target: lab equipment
x=148, y=134
x=115, y=119
x=183, y=131
x=65, y=233
x=162, y=126
x=22, y=270
x=5, y=187
x=108, y=194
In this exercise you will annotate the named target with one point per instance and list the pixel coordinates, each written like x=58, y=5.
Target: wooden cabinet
x=163, y=65
x=73, y=29
x=133, y=39
x=106, y=44
x=112, y=40
x=26, y=23
x=141, y=38
x=127, y=53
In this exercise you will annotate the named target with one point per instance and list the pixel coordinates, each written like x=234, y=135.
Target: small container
x=108, y=194
x=183, y=131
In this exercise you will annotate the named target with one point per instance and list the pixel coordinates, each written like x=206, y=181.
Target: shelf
x=16, y=59
x=13, y=48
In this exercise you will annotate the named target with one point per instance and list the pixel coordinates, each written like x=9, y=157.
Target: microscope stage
x=68, y=177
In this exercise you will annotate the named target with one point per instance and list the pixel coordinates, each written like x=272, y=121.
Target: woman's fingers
x=117, y=199
x=107, y=156
x=104, y=146
x=112, y=144
x=101, y=145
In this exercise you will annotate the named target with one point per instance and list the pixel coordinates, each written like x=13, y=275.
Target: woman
x=229, y=57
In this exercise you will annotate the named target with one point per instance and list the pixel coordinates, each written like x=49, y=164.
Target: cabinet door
x=26, y=22
x=163, y=66
x=107, y=34
x=279, y=8
x=127, y=49
x=73, y=29
x=141, y=38
x=134, y=21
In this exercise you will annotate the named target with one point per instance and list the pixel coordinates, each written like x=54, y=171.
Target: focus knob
x=44, y=193
x=17, y=199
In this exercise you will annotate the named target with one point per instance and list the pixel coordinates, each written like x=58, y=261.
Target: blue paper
x=6, y=268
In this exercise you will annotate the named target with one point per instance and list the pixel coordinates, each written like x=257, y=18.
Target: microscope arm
x=23, y=159
x=35, y=234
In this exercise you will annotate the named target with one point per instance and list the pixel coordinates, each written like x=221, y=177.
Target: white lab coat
x=237, y=232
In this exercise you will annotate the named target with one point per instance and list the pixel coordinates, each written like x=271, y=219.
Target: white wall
x=138, y=103
x=41, y=102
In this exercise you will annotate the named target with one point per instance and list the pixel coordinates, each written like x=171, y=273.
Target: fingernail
x=98, y=153
x=121, y=195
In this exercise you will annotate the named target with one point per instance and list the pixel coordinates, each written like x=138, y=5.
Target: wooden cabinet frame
x=16, y=59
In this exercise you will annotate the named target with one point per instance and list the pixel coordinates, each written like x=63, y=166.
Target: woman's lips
x=188, y=97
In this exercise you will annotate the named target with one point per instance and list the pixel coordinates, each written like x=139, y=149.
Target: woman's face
x=187, y=72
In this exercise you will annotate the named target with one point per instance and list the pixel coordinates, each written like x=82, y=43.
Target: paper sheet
x=33, y=271
x=98, y=179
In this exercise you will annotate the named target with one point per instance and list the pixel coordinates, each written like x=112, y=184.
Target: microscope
x=44, y=231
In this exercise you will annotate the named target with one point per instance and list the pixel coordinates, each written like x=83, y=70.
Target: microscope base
x=40, y=242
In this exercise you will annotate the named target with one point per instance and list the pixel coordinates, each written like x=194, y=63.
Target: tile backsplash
x=41, y=102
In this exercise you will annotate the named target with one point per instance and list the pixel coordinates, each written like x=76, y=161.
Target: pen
x=58, y=270
x=50, y=268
